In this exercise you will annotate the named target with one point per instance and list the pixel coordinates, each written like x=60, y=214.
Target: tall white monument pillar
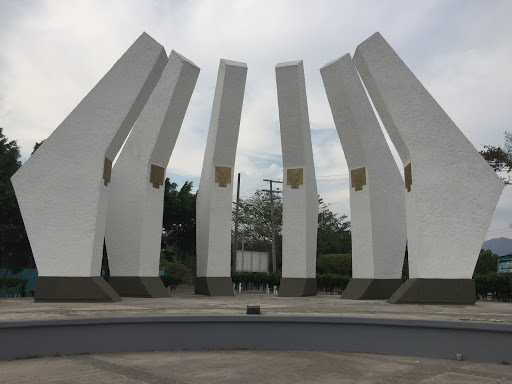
x=451, y=191
x=377, y=197
x=134, y=222
x=62, y=189
x=214, y=197
x=300, y=198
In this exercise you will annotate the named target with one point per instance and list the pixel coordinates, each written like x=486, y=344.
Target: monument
x=134, y=221
x=215, y=193
x=451, y=192
x=62, y=190
x=377, y=197
x=300, y=198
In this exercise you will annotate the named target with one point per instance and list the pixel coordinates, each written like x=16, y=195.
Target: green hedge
x=13, y=285
x=256, y=278
x=332, y=283
x=327, y=282
x=338, y=264
x=498, y=285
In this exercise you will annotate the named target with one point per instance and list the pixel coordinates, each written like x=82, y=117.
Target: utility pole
x=233, y=256
x=272, y=226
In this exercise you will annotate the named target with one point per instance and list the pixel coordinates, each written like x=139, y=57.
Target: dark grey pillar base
x=214, y=286
x=297, y=287
x=137, y=286
x=370, y=289
x=435, y=291
x=94, y=288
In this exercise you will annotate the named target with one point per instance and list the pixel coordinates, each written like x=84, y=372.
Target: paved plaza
x=224, y=367
x=184, y=302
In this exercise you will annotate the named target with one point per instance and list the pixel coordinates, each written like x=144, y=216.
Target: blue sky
x=53, y=52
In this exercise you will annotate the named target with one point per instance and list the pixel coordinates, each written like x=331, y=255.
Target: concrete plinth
x=138, y=286
x=370, y=289
x=56, y=288
x=435, y=291
x=214, y=286
x=297, y=287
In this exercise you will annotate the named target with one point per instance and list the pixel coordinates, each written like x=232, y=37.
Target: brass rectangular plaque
x=157, y=176
x=358, y=178
x=107, y=171
x=223, y=176
x=295, y=177
x=408, y=177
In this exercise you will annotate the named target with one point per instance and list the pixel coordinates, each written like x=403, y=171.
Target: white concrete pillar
x=134, y=222
x=451, y=192
x=300, y=197
x=63, y=188
x=377, y=197
x=214, y=197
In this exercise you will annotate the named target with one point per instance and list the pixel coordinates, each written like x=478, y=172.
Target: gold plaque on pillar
x=358, y=178
x=157, y=176
x=295, y=177
x=408, y=177
x=107, y=171
x=223, y=176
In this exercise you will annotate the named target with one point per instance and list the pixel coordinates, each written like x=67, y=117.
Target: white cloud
x=53, y=52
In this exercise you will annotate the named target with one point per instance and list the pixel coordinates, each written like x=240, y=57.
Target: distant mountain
x=500, y=245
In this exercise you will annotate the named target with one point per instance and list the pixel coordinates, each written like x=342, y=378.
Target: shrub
x=340, y=264
x=13, y=285
x=332, y=283
x=498, y=285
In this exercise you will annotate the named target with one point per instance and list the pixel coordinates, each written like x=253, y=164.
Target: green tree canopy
x=487, y=262
x=498, y=156
x=256, y=231
x=179, y=223
x=15, y=252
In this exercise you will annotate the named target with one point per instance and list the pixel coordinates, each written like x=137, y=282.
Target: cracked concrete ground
x=186, y=303
x=224, y=367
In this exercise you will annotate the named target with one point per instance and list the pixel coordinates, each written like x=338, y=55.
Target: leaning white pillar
x=134, y=222
x=451, y=192
x=377, y=197
x=62, y=189
x=215, y=193
x=300, y=198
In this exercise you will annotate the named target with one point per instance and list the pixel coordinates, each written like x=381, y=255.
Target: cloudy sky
x=53, y=52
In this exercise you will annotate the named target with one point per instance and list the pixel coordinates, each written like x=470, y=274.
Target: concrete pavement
x=225, y=367
x=183, y=303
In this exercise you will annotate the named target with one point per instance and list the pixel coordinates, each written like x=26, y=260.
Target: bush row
x=332, y=283
x=12, y=282
x=256, y=279
x=498, y=285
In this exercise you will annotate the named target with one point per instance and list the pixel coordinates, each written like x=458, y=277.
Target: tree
x=487, y=262
x=255, y=229
x=37, y=145
x=15, y=252
x=179, y=223
x=500, y=158
x=333, y=231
